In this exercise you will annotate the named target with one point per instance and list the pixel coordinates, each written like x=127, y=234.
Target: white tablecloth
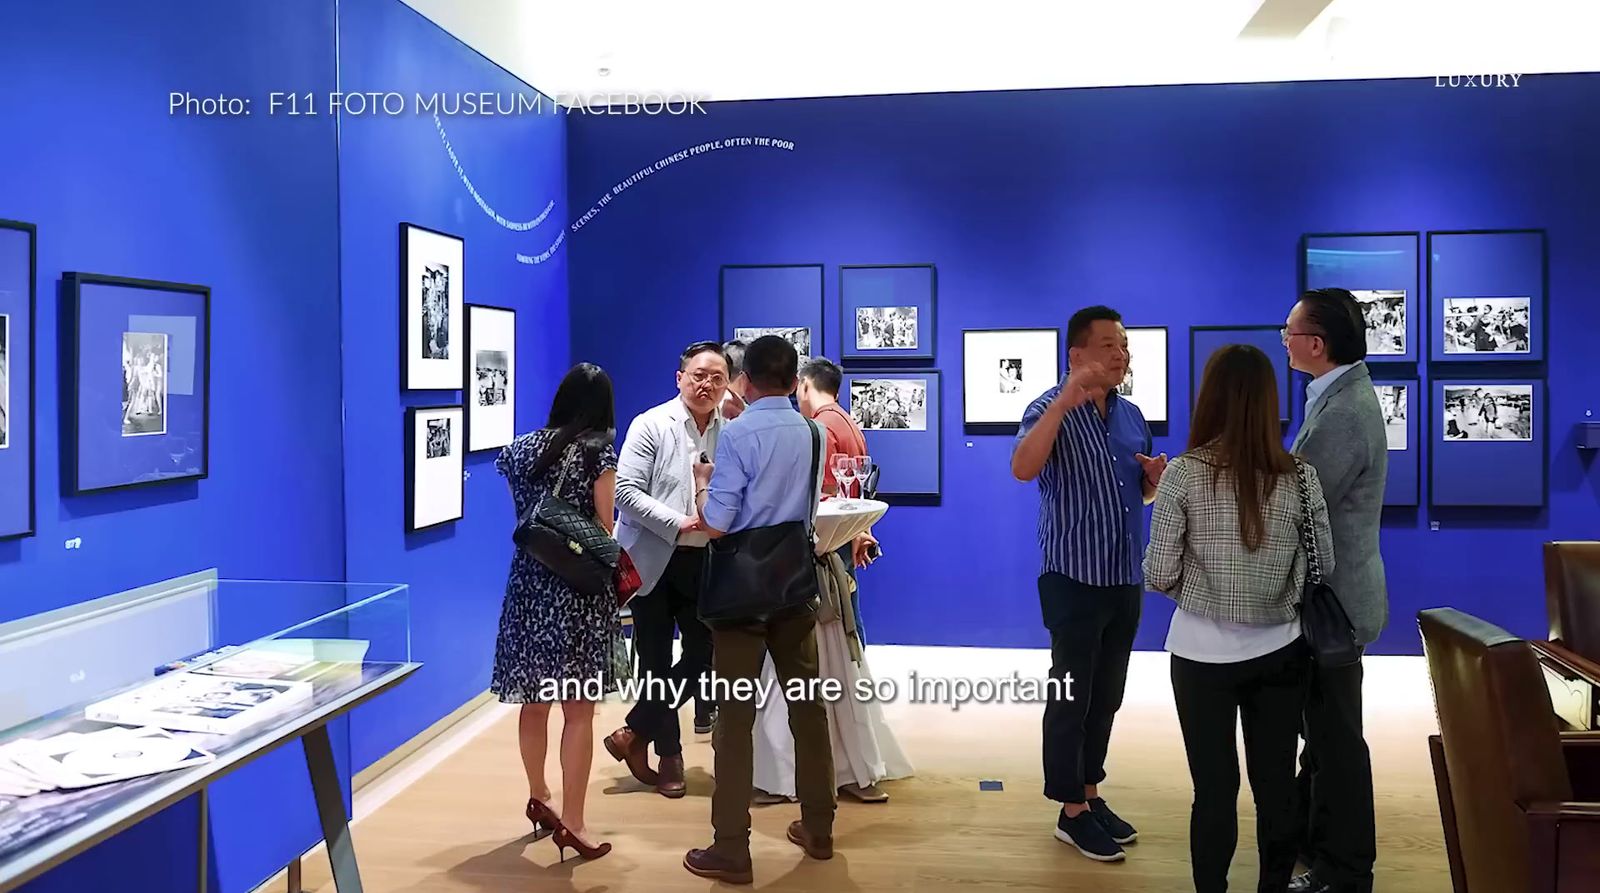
x=841, y=520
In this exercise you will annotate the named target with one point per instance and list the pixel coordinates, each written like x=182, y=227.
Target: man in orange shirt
x=818, y=395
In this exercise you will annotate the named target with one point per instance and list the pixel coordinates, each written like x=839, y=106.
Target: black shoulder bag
x=1323, y=621
x=763, y=573
x=570, y=542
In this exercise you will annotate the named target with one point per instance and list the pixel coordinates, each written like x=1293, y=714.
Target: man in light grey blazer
x=660, y=528
x=1343, y=438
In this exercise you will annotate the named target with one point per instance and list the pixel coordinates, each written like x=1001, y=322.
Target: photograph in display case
x=1003, y=370
x=1146, y=382
x=431, y=309
x=1394, y=401
x=18, y=278
x=1475, y=412
x=1487, y=325
x=492, y=403
x=139, y=388
x=1384, y=311
x=434, y=465
x=886, y=328
x=201, y=702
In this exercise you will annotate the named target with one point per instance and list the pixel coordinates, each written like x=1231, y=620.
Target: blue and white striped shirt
x=1091, y=492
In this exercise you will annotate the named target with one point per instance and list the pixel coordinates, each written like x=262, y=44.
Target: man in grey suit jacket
x=660, y=528
x=1343, y=438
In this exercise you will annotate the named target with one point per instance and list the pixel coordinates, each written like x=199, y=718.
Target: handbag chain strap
x=561, y=472
x=1308, y=537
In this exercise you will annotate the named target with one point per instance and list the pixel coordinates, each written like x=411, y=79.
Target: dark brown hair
x=1236, y=422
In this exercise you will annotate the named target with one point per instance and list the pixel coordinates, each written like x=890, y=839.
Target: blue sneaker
x=1089, y=837
x=1120, y=831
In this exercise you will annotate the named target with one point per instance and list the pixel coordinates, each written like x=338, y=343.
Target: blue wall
x=1180, y=205
x=395, y=169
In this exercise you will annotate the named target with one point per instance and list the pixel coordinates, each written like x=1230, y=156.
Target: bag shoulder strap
x=816, y=460
x=561, y=470
x=1308, y=536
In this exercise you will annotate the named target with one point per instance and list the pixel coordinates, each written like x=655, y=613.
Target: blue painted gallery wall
x=394, y=169
x=1180, y=205
x=247, y=206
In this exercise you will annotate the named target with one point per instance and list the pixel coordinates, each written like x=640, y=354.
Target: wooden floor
x=457, y=825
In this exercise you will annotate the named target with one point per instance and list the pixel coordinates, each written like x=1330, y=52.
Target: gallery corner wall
x=1181, y=206
x=504, y=194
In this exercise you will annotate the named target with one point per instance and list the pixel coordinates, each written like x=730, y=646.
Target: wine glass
x=862, y=468
x=842, y=469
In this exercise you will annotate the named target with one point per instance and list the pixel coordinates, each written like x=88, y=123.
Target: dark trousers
x=1336, y=815
x=1091, y=637
x=1265, y=694
x=740, y=654
x=674, y=602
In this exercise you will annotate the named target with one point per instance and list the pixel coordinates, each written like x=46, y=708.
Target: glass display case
x=113, y=709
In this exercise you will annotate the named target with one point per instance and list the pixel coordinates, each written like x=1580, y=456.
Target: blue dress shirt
x=762, y=462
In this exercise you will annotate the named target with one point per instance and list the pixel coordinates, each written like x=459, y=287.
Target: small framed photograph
x=491, y=350
x=1004, y=370
x=772, y=299
x=1488, y=443
x=1480, y=412
x=140, y=385
x=797, y=336
x=888, y=311
x=434, y=462
x=1487, y=325
x=900, y=412
x=889, y=404
x=431, y=282
x=1385, y=313
x=1146, y=383
x=1399, y=401
x=1487, y=293
x=1384, y=272
x=18, y=302
x=1394, y=401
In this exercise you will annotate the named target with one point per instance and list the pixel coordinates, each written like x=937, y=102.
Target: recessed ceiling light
x=604, y=72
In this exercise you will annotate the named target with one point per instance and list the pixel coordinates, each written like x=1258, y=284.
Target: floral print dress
x=550, y=633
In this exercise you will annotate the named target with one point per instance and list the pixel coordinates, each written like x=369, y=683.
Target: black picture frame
x=1508, y=366
x=412, y=412
x=725, y=332
x=1286, y=385
x=411, y=379
x=72, y=319
x=32, y=336
x=469, y=373
x=889, y=490
x=999, y=427
x=1166, y=366
x=848, y=354
x=1504, y=455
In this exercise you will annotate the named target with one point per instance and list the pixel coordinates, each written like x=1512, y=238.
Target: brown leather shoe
x=670, y=783
x=820, y=848
x=710, y=864
x=625, y=746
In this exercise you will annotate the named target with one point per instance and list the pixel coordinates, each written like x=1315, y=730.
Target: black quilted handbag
x=570, y=542
x=1323, y=621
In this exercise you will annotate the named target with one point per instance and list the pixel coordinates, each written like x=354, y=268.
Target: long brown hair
x=1236, y=423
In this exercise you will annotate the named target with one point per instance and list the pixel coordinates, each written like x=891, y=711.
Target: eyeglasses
x=715, y=378
x=1284, y=334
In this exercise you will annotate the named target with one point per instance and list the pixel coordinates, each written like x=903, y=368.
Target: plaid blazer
x=1198, y=557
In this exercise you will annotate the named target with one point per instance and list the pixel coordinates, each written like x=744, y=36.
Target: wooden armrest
x=1565, y=810
x=1567, y=659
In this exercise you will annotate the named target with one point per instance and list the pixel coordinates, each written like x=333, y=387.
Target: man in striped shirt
x=1089, y=450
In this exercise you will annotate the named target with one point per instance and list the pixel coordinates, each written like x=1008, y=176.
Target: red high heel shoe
x=567, y=840
x=543, y=818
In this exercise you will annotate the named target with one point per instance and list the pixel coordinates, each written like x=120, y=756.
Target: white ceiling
x=739, y=49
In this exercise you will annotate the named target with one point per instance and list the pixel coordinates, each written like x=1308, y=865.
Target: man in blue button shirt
x=760, y=479
x=1088, y=448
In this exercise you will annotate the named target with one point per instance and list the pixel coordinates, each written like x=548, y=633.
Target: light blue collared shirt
x=1321, y=383
x=763, y=465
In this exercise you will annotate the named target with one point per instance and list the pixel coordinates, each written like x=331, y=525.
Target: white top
x=700, y=443
x=1208, y=641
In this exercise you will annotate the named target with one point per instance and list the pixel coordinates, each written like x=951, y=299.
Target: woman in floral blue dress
x=549, y=633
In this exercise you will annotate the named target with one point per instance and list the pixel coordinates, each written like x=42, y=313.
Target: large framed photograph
x=431, y=329
x=1399, y=403
x=888, y=311
x=1207, y=340
x=492, y=357
x=1004, y=370
x=772, y=299
x=1383, y=271
x=1146, y=383
x=900, y=412
x=1488, y=446
x=18, y=275
x=138, y=395
x=1488, y=291
x=435, y=448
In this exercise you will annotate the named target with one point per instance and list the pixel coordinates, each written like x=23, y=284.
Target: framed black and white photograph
x=1482, y=412
x=886, y=328
x=1487, y=325
x=434, y=464
x=18, y=275
x=798, y=336
x=1004, y=370
x=144, y=383
x=888, y=404
x=1394, y=400
x=888, y=311
x=491, y=351
x=1384, y=311
x=432, y=343
x=1146, y=383
x=138, y=396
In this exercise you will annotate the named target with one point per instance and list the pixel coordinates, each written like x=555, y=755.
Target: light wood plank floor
x=453, y=820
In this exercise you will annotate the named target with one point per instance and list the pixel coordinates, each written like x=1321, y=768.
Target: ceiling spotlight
x=604, y=72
